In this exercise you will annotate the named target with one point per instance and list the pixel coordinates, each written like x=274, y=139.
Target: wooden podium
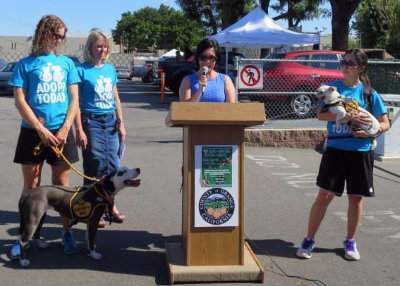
x=213, y=246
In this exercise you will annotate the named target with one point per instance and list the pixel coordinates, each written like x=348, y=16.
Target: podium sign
x=216, y=186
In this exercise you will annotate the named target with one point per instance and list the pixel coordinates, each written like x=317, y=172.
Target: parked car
x=300, y=78
x=3, y=62
x=5, y=75
x=175, y=70
x=123, y=72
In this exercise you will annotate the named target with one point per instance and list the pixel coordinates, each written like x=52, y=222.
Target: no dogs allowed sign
x=250, y=76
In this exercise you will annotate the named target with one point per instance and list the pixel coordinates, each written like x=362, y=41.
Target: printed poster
x=216, y=185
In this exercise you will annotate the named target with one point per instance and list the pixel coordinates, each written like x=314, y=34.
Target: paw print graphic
x=100, y=85
x=58, y=74
x=107, y=84
x=46, y=75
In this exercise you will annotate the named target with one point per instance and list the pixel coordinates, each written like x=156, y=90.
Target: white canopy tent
x=257, y=29
x=171, y=54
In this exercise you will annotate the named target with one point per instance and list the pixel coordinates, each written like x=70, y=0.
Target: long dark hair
x=206, y=44
x=362, y=62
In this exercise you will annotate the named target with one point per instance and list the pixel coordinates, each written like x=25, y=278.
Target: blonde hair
x=45, y=34
x=91, y=39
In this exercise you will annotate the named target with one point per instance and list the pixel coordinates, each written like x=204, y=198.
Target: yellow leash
x=59, y=152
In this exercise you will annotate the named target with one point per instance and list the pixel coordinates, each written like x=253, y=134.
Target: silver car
x=5, y=75
x=123, y=73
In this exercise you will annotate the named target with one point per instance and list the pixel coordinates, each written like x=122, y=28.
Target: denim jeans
x=101, y=154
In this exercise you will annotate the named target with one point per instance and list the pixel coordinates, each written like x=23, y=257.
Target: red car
x=296, y=76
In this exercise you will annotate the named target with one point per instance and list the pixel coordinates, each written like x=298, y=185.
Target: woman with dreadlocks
x=46, y=96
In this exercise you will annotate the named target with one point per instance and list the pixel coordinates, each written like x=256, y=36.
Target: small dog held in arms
x=338, y=105
x=83, y=204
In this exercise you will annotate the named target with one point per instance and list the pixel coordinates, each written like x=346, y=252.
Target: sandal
x=117, y=217
x=101, y=223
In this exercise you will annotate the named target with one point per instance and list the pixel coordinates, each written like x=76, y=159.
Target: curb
x=306, y=138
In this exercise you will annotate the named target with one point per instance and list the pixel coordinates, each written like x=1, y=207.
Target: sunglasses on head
x=206, y=57
x=347, y=63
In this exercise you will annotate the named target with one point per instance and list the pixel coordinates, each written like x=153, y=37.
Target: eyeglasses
x=209, y=58
x=59, y=37
x=349, y=64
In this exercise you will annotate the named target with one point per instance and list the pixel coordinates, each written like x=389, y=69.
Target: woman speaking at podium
x=207, y=85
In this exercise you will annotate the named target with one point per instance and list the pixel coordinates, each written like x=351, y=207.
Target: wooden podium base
x=178, y=272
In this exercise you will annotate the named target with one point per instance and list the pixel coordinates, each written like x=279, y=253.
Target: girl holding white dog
x=348, y=160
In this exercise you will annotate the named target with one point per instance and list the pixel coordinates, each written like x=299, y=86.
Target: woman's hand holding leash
x=48, y=138
x=62, y=134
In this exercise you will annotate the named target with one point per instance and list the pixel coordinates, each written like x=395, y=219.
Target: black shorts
x=351, y=167
x=28, y=139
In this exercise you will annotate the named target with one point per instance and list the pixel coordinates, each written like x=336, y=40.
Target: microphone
x=204, y=72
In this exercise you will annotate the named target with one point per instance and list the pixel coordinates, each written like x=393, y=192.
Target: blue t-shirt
x=96, y=88
x=45, y=79
x=352, y=143
x=214, y=91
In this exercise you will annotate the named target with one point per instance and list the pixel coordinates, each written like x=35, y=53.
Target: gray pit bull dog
x=83, y=204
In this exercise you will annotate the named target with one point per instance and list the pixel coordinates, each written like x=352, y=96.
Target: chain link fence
x=13, y=56
x=289, y=86
x=117, y=59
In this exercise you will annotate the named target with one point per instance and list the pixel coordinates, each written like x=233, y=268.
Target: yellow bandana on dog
x=351, y=106
x=82, y=209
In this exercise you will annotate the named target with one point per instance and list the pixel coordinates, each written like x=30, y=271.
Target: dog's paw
x=95, y=255
x=24, y=262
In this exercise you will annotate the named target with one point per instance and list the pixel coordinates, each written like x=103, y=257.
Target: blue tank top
x=214, y=91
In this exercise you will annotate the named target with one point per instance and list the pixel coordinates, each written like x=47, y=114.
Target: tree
x=377, y=25
x=216, y=14
x=342, y=10
x=296, y=11
x=393, y=46
x=265, y=5
x=164, y=27
x=372, y=24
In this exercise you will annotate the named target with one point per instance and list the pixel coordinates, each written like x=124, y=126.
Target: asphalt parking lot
x=279, y=192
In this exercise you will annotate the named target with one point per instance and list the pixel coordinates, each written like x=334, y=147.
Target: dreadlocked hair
x=45, y=33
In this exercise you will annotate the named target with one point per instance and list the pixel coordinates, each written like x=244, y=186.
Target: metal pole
x=236, y=60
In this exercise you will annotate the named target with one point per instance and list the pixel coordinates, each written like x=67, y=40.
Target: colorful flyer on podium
x=216, y=186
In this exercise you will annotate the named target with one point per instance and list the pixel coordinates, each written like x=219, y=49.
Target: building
x=13, y=48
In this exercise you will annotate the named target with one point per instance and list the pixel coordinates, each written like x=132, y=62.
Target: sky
x=19, y=17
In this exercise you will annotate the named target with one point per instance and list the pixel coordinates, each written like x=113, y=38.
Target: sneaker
x=306, y=248
x=350, y=249
x=69, y=243
x=15, y=250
